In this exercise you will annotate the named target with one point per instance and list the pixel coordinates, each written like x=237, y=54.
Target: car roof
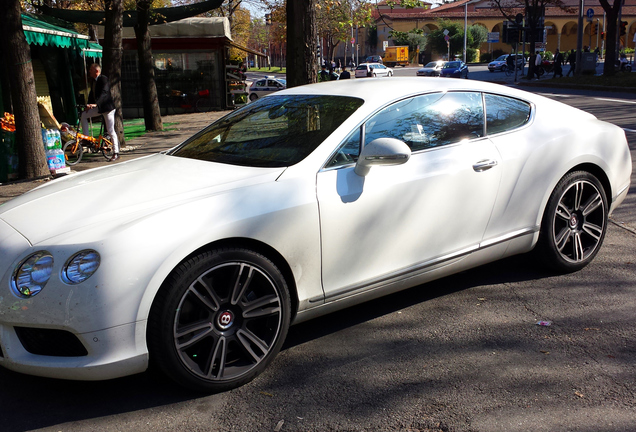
x=384, y=91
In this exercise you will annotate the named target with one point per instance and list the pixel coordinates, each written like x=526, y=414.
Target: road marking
x=616, y=100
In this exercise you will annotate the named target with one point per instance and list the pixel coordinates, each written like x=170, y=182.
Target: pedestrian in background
x=345, y=74
x=537, y=64
x=558, y=64
x=572, y=61
x=100, y=102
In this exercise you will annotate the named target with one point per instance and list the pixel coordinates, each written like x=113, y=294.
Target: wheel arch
x=256, y=246
x=597, y=172
x=589, y=167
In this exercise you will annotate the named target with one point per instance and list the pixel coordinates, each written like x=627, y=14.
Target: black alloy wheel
x=574, y=222
x=219, y=319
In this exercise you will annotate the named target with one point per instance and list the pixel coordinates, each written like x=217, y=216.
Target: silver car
x=431, y=69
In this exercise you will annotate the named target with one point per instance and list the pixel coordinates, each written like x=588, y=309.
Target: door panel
x=400, y=216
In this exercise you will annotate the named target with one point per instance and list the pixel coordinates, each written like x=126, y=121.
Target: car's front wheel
x=574, y=222
x=219, y=319
x=253, y=97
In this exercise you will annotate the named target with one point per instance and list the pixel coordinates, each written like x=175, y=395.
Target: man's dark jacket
x=104, y=100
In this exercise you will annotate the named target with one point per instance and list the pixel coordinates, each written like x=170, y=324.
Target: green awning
x=39, y=32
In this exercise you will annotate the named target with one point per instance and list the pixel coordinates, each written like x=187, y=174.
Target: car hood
x=496, y=63
x=121, y=192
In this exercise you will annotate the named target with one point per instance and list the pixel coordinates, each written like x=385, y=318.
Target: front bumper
x=112, y=353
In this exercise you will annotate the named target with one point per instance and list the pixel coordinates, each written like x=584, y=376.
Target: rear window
x=273, y=132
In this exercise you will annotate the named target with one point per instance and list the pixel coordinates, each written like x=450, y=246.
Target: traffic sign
x=446, y=38
x=590, y=13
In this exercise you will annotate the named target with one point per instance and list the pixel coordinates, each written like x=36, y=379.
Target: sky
x=254, y=8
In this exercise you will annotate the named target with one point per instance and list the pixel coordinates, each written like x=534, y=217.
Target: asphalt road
x=463, y=353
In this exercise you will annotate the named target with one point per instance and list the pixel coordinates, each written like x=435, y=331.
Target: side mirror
x=382, y=151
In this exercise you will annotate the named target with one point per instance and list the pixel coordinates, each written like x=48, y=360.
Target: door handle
x=484, y=165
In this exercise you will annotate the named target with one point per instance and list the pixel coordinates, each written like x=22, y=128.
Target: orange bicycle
x=74, y=149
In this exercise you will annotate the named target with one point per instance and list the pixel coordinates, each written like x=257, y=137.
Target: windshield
x=272, y=132
x=502, y=58
x=451, y=65
x=431, y=64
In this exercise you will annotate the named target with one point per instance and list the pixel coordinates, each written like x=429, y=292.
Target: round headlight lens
x=81, y=266
x=32, y=274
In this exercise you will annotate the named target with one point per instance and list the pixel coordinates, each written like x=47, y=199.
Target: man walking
x=572, y=61
x=558, y=64
x=537, y=64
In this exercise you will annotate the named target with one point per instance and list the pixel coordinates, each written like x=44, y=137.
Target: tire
x=574, y=223
x=389, y=74
x=253, y=97
x=178, y=105
x=504, y=68
x=72, y=152
x=219, y=319
x=204, y=104
x=108, y=150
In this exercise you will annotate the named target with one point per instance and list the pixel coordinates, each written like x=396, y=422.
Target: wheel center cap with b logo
x=574, y=221
x=225, y=320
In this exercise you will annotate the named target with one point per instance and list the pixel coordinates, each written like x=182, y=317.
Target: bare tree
x=301, y=43
x=17, y=60
x=534, y=14
x=612, y=12
x=113, y=50
x=152, y=111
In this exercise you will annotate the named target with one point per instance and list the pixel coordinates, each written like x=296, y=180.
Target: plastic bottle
x=50, y=139
x=44, y=138
x=58, y=139
x=55, y=159
x=60, y=157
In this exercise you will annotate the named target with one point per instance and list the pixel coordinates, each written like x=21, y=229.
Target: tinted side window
x=505, y=113
x=431, y=120
x=348, y=152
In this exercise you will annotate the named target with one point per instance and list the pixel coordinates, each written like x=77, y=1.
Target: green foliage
x=455, y=32
x=412, y=39
x=477, y=35
x=485, y=57
x=406, y=4
x=472, y=55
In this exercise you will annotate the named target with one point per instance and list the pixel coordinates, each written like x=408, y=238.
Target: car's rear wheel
x=219, y=319
x=253, y=97
x=574, y=222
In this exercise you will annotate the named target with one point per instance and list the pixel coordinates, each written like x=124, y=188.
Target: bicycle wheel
x=73, y=152
x=178, y=105
x=107, y=149
x=204, y=104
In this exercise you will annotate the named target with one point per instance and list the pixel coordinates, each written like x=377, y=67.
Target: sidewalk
x=151, y=142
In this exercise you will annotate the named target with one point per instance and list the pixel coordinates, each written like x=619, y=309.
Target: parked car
x=372, y=70
x=373, y=59
x=265, y=86
x=431, y=69
x=454, y=69
x=501, y=62
x=300, y=203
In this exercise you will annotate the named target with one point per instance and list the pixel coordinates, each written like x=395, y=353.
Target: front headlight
x=81, y=266
x=32, y=274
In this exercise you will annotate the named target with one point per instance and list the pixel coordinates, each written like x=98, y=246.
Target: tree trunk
x=611, y=16
x=152, y=112
x=301, y=43
x=113, y=50
x=17, y=61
